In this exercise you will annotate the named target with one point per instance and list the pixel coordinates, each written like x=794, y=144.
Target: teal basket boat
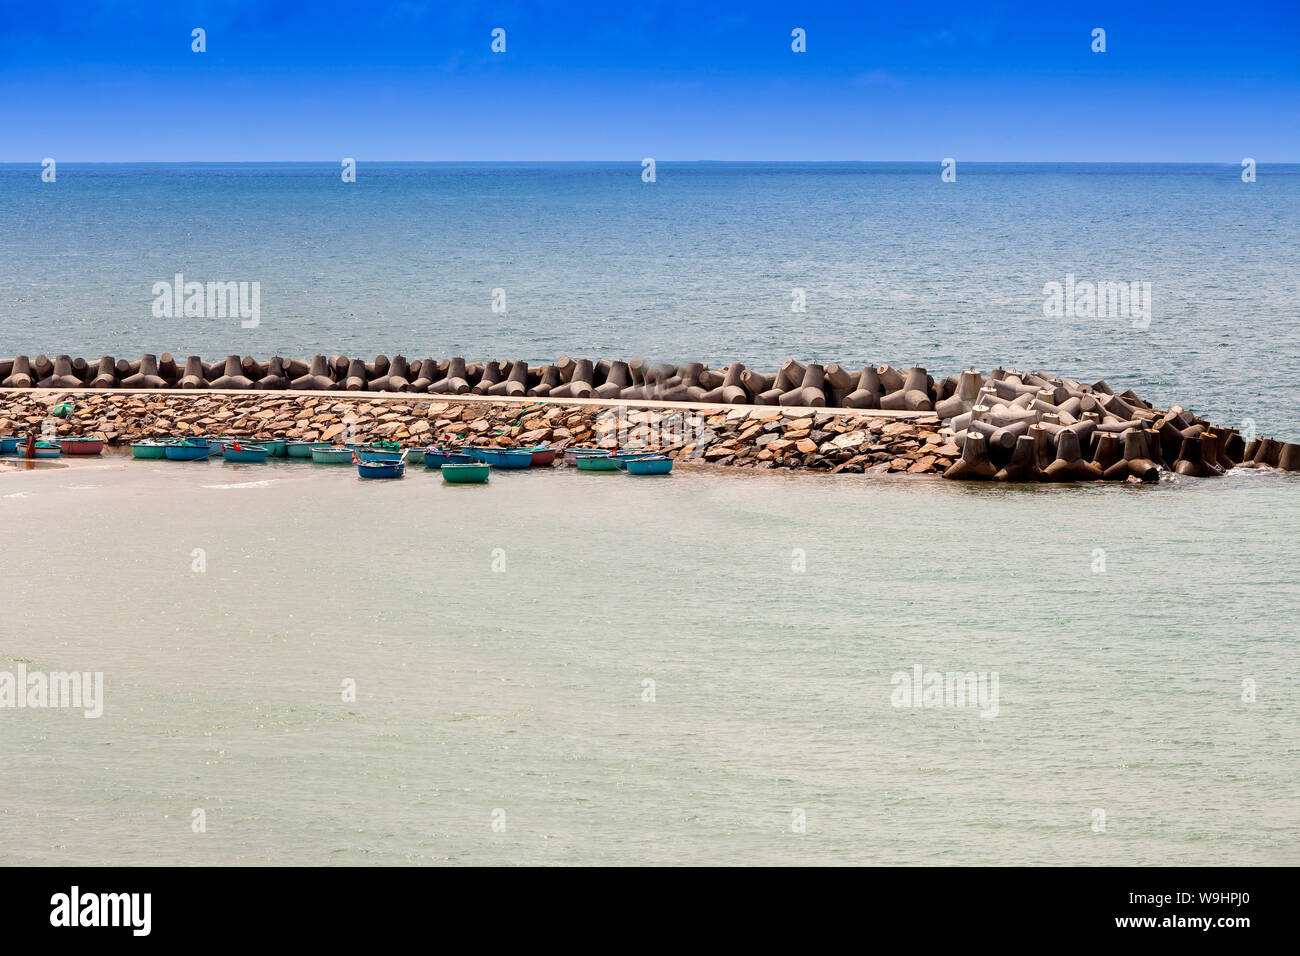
x=48, y=449
x=597, y=463
x=334, y=455
x=149, y=449
x=244, y=454
x=303, y=449
x=474, y=473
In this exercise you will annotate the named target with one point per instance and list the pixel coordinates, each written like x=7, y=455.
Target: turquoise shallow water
x=521, y=690
x=896, y=265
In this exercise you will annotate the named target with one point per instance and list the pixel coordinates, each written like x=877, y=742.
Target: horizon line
x=638, y=161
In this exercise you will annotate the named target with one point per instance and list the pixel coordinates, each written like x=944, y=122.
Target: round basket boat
x=303, y=449
x=187, y=450
x=149, y=449
x=650, y=465
x=245, y=454
x=333, y=455
x=471, y=473
x=597, y=463
x=437, y=457
x=81, y=446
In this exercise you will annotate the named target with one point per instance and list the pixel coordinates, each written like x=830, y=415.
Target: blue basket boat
x=623, y=457
x=382, y=469
x=245, y=454
x=649, y=465
x=9, y=446
x=48, y=449
x=196, y=450
x=508, y=458
x=437, y=457
x=379, y=457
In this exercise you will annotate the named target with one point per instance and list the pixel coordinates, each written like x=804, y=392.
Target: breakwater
x=1004, y=425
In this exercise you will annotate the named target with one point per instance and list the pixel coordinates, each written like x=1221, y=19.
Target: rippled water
x=521, y=690
x=896, y=265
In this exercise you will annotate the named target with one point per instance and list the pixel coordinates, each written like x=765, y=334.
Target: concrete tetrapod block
x=60, y=374
x=275, y=377
x=514, y=381
x=147, y=376
x=732, y=390
x=811, y=391
x=192, y=375
x=789, y=375
x=550, y=380
x=1069, y=464
x=491, y=375
x=424, y=373
x=617, y=379
x=756, y=382
x=233, y=376
x=1288, y=458
x=1023, y=465
x=104, y=374
x=1209, y=452
x=974, y=464
x=167, y=369
x=356, y=379
x=691, y=374
x=42, y=367
x=397, y=379
x=1269, y=452
x=1135, y=459
x=839, y=384
x=579, y=385
x=891, y=380
x=1233, y=448
x=455, y=382
x=1190, y=460
x=636, y=371
x=868, y=391
x=317, y=377
x=1108, y=452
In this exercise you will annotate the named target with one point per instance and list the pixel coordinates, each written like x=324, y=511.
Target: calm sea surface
x=227, y=605
x=523, y=690
x=896, y=266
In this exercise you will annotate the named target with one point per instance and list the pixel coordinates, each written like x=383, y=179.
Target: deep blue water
x=896, y=265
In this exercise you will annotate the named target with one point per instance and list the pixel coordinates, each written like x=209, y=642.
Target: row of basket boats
x=468, y=465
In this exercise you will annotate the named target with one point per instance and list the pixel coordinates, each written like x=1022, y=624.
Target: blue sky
x=677, y=80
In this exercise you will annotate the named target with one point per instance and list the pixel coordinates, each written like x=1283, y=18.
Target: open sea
x=566, y=667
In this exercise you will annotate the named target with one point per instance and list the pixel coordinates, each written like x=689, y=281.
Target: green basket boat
x=471, y=474
x=597, y=463
x=303, y=449
x=149, y=449
x=332, y=456
x=274, y=448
